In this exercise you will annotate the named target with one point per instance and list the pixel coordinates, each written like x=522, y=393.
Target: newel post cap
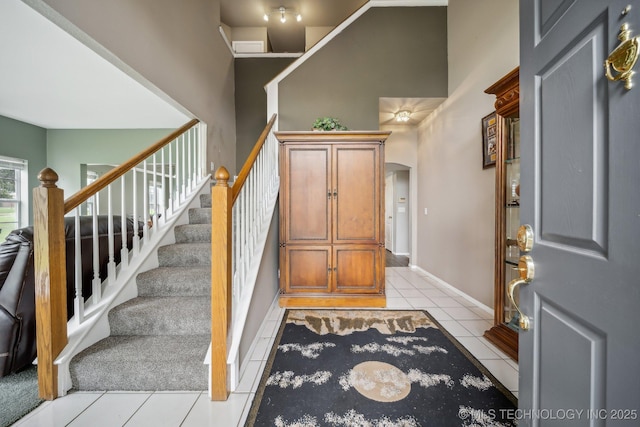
x=48, y=178
x=222, y=176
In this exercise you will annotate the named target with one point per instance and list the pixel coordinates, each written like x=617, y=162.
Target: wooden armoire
x=332, y=219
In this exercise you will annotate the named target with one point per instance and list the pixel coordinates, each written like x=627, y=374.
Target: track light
x=282, y=12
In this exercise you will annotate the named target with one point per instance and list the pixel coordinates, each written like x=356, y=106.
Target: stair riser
x=143, y=363
x=175, y=256
x=161, y=316
x=176, y=281
x=193, y=233
x=205, y=200
x=166, y=376
x=200, y=216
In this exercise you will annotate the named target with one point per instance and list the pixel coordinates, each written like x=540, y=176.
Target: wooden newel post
x=50, y=280
x=221, y=203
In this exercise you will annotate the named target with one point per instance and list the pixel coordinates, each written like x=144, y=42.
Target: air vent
x=248, y=46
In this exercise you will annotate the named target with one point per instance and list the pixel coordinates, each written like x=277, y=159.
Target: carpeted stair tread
x=175, y=281
x=193, y=233
x=161, y=316
x=159, y=340
x=205, y=200
x=185, y=254
x=200, y=216
x=143, y=363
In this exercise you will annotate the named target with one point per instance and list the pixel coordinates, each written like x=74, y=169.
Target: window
x=13, y=195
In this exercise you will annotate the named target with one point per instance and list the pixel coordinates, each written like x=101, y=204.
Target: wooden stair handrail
x=248, y=164
x=49, y=208
x=115, y=173
x=222, y=199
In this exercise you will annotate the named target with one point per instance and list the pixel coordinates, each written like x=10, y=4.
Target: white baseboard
x=453, y=288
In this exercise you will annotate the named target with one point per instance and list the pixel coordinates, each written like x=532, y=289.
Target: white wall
x=402, y=212
x=401, y=148
x=456, y=238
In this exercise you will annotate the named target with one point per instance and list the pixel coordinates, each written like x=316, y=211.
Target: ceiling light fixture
x=282, y=12
x=403, y=116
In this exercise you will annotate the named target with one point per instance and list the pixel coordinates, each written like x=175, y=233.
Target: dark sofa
x=17, y=295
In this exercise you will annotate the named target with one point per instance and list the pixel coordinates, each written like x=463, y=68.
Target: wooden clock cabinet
x=331, y=219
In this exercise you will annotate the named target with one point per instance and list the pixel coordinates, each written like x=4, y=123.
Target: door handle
x=526, y=270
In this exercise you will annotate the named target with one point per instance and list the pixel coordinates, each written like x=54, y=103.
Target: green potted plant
x=328, y=124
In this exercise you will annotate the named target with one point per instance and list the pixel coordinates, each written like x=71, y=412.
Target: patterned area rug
x=370, y=368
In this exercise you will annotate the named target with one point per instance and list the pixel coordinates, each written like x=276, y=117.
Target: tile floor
x=406, y=289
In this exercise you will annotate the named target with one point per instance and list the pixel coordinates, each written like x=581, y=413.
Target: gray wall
x=266, y=287
x=251, y=75
x=176, y=46
x=24, y=141
x=456, y=238
x=387, y=52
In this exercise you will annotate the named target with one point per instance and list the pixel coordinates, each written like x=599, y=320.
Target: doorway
x=397, y=213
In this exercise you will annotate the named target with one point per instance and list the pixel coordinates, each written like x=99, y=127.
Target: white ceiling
x=420, y=108
x=49, y=79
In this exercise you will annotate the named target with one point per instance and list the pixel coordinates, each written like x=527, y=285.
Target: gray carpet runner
x=159, y=340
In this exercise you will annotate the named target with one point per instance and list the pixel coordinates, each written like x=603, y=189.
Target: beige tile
x=455, y=328
x=217, y=414
x=478, y=349
x=59, y=412
x=111, y=409
x=164, y=409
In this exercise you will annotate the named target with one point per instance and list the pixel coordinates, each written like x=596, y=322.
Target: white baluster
x=97, y=283
x=183, y=185
x=78, y=301
x=172, y=175
x=124, y=251
x=154, y=218
x=111, y=265
x=189, y=165
x=145, y=204
x=134, y=201
x=164, y=188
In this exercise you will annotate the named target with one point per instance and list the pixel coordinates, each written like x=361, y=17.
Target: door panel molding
x=548, y=13
x=572, y=211
x=577, y=384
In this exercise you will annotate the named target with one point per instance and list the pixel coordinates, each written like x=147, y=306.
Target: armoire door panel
x=309, y=205
x=357, y=268
x=308, y=268
x=356, y=201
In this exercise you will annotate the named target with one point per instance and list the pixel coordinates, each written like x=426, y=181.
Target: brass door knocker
x=623, y=58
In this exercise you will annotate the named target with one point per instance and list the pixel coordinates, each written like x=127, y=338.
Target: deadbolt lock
x=525, y=238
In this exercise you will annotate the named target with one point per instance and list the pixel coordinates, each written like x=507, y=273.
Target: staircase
x=159, y=340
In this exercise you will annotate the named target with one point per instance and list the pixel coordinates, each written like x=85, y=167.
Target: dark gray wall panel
x=251, y=75
x=387, y=52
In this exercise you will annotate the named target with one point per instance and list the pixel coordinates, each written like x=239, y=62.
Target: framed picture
x=489, y=141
